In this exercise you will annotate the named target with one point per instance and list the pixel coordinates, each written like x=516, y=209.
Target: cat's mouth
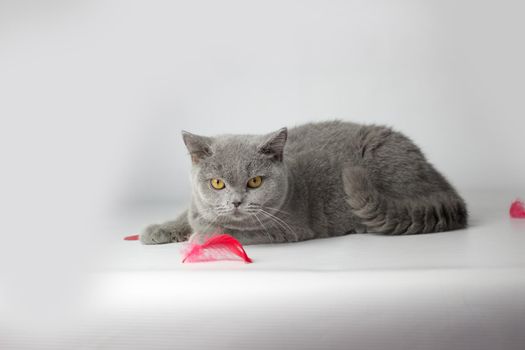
x=238, y=219
x=237, y=214
x=242, y=218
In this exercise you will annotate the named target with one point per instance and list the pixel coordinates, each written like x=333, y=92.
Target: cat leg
x=177, y=230
x=393, y=189
x=380, y=213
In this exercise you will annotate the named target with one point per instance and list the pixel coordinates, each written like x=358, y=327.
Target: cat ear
x=274, y=144
x=198, y=146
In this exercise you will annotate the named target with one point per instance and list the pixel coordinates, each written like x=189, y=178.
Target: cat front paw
x=164, y=233
x=156, y=234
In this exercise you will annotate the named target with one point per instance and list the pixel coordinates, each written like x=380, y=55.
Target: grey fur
x=319, y=180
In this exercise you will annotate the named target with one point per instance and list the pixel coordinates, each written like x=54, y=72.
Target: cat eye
x=218, y=184
x=255, y=182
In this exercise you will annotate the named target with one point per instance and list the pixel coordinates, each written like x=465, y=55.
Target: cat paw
x=156, y=234
x=160, y=234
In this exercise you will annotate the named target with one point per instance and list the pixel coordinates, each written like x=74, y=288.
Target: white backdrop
x=96, y=93
x=93, y=95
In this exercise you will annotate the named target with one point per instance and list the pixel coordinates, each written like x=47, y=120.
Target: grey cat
x=316, y=180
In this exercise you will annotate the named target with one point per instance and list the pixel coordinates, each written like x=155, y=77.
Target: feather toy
x=132, y=238
x=517, y=210
x=214, y=248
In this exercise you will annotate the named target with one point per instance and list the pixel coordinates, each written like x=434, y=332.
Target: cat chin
x=239, y=222
x=240, y=225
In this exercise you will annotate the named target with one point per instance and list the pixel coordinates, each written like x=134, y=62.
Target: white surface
x=492, y=241
x=453, y=290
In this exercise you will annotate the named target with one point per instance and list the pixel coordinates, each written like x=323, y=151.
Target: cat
x=316, y=180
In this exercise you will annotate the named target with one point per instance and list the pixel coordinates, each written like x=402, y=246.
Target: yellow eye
x=255, y=182
x=218, y=184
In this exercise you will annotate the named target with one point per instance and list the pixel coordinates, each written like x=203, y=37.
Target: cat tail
x=433, y=212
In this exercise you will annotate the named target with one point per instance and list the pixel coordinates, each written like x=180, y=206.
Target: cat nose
x=236, y=204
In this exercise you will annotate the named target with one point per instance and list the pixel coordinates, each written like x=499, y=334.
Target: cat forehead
x=235, y=155
x=235, y=143
x=237, y=148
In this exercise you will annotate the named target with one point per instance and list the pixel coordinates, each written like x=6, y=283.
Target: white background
x=94, y=94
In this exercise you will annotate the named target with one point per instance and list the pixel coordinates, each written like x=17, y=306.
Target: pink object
x=132, y=238
x=214, y=248
x=517, y=210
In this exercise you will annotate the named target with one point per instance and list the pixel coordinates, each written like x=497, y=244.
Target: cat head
x=235, y=176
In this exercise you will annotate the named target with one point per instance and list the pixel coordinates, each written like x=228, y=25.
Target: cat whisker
x=257, y=207
x=212, y=222
x=261, y=206
x=281, y=222
x=277, y=228
x=277, y=210
x=264, y=227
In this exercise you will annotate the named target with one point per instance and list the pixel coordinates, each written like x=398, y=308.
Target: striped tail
x=432, y=212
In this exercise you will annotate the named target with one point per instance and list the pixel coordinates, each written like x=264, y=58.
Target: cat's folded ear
x=198, y=146
x=273, y=146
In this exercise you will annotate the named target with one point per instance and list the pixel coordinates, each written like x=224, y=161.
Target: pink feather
x=217, y=247
x=517, y=210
